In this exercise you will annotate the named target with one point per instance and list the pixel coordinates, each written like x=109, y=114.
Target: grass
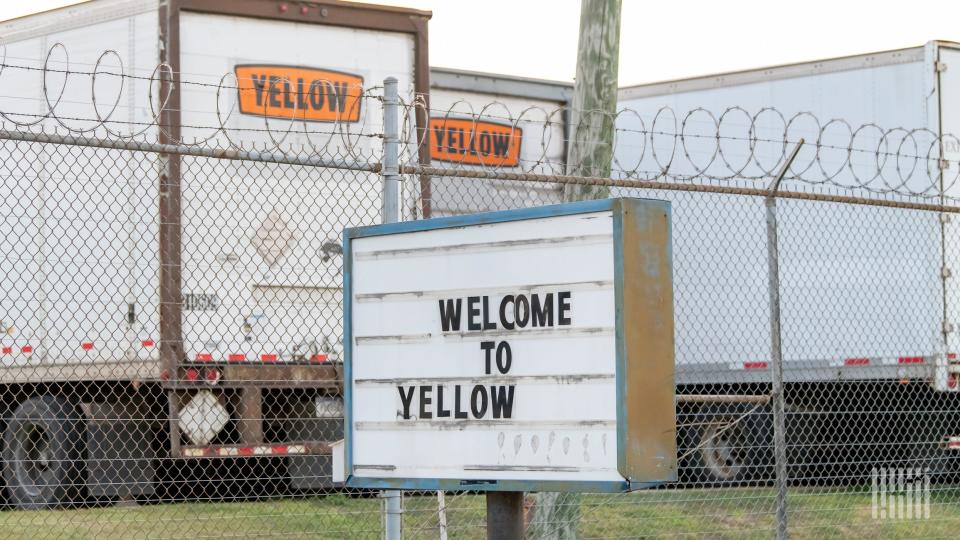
x=731, y=513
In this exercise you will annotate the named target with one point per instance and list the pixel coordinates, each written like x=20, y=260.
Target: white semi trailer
x=159, y=307
x=869, y=307
x=203, y=319
x=528, y=115
x=244, y=317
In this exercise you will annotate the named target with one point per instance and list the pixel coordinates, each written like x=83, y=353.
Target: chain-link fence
x=172, y=319
x=869, y=408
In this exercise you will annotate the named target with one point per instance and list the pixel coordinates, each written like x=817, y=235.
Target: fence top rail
x=310, y=160
x=692, y=187
x=717, y=144
x=290, y=158
x=731, y=144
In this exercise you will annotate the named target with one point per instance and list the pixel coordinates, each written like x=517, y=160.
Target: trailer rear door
x=949, y=95
x=490, y=122
x=261, y=253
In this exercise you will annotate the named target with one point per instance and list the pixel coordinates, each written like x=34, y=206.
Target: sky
x=664, y=40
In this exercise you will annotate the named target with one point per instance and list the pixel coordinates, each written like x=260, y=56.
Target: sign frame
x=644, y=345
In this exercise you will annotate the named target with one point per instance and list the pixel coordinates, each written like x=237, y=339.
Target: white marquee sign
x=523, y=350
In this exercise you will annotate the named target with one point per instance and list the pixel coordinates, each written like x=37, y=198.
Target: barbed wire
x=102, y=110
x=732, y=145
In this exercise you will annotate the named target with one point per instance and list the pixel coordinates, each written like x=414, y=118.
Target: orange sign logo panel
x=475, y=142
x=298, y=93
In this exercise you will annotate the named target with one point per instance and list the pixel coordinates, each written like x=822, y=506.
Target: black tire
x=727, y=445
x=927, y=456
x=929, y=459
x=43, y=453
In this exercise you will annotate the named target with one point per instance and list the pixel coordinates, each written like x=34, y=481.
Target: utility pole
x=592, y=115
x=589, y=153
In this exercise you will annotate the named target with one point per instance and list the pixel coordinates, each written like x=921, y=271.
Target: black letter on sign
x=340, y=90
x=273, y=92
x=502, y=399
x=472, y=312
x=287, y=98
x=301, y=96
x=450, y=316
x=457, y=413
x=487, y=347
x=478, y=401
x=542, y=315
x=258, y=85
x=451, y=140
x=424, y=401
x=521, y=316
x=485, y=143
x=406, y=399
x=503, y=312
x=504, y=358
x=438, y=137
x=487, y=323
x=501, y=144
x=316, y=95
x=563, y=310
x=441, y=412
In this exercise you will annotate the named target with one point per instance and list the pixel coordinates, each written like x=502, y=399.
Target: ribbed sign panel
x=489, y=355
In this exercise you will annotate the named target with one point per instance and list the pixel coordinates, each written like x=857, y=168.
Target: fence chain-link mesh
x=171, y=319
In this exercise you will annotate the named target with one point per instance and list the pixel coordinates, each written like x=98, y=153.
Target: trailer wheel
x=726, y=444
x=930, y=458
x=42, y=453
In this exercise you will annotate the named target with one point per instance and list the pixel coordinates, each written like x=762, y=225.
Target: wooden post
x=589, y=153
x=504, y=515
x=590, y=147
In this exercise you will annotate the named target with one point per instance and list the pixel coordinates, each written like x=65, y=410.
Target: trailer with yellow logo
x=177, y=307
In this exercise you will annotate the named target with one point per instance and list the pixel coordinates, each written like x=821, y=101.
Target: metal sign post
x=392, y=498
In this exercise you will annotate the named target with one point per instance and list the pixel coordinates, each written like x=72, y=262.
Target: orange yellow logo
x=298, y=93
x=475, y=142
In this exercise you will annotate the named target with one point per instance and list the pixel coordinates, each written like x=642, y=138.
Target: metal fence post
x=390, y=171
x=776, y=352
x=391, y=149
